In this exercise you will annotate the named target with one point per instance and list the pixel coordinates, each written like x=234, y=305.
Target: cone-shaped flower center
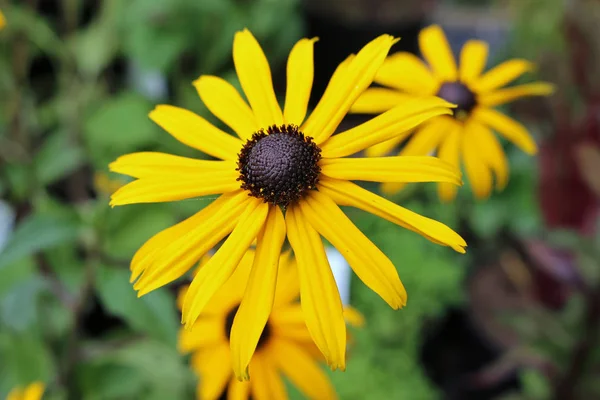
x=459, y=94
x=264, y=336
x=279, y=165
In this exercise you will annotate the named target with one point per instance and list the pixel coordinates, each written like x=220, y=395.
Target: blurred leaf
x=109, y=381
x=25, y=358
x=58, y=157
x=18, y=307
x=35, y=28
x=36, y=233
x=119, y=125
x=535, y=384
x=153, y=314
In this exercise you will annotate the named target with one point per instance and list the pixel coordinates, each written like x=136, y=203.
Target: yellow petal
x=507, y=127
x=320, y=299
x=15, y=394
x=391, y=169
x=206, y=332
x=238, y=390
x=426, y=139
x=365, y=259
x=353, y=317
x=501, y=75
x=397, y=122
x=473, y=58
x=300, y=73
x=406, y=72
x=258, y=298
x=384, y=148
x=266, y=383
x=158, y=189
x=34, y=391
x=349, y=194
x=172, y=252
x=287, y=315
x=194, y=131
x=477, y=171
x=490, y=150
x=349, y=84
x=2, y=25
x=304, y=372
x=288, y=285
x=221, y=266
x=150, y=164
x=254, y=74
x=214, y=368
x=449, y=151
x=436, y=50
x=225, y=102
x=377, y=100
x=507, y=95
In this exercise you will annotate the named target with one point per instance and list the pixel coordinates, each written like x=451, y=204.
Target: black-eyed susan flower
x=281, y=162
x=285, y=347
x=33, y=391
x=467, y=133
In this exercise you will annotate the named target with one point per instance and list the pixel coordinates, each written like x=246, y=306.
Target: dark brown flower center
x=264, y=336
x=280, y=165
x=459, y=94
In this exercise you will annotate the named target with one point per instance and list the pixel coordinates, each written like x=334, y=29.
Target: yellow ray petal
x=490, y=150
x=34, y=391
x=426, y=139
x=258, y=298
x=349, y=194
x=377, y=100
x=304, y=372
x=397, y=122
x=149, y=164
x=194, y=131
x=171, y=253
x=214, y=368
x=287, y=315
x=2, y=25
x=15, y=394
x=288, y=285
x=406, y=72
x=436, y=50
x=319, y=294
x=238, y=390
x=294, y=333
x=266, y=384
x=353, y=317
x=507, y=95
x=477, y=171
x=507, y=127
x=384, y=148
x=206, y=332
x=449, y=151
x=224, y=101
x=221, y=266
x=254, y=74
x=391, y=169
x=158, y=189
x=300, y=73
x=473, y=58
x=501, y=75
x=365, y=259
x=350, y=83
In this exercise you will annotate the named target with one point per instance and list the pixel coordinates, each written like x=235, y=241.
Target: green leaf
x=58, y=157
x=120, y=124
x=18, y=307
x=25, y=358
x=154, y=314
x=535, y=384
x=37, y=233
x=108, y=381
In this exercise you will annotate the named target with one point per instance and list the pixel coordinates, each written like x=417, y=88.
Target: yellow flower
x=281, y=163
x=468, y=133
x=34, y=391
x=285, y=347
x=2, y=20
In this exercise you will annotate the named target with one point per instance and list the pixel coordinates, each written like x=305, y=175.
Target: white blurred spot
x=341, y=273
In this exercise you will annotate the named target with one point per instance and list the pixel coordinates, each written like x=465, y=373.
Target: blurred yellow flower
x=105, y=185
x=468, y=132
x=2, y=20
x=285, y=346
x=273, y=168
x=33, y=391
